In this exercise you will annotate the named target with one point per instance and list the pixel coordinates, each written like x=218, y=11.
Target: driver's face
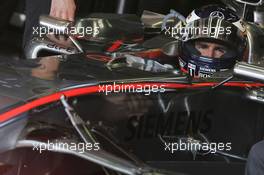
x=209, y=49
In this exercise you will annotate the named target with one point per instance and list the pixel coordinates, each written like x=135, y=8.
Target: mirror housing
x=249, y=71
x=61, y=26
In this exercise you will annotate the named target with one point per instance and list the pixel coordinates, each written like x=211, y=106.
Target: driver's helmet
x=212, y=41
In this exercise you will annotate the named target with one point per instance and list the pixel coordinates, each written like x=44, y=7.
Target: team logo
x=217, y=14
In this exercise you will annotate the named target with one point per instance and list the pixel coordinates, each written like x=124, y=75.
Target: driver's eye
x=221, y=50
x=202, y=46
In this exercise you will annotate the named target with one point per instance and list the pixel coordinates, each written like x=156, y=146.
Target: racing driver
x=212, y=41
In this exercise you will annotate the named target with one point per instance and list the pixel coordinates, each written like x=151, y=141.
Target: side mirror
x=60, y=25
x=39, y=45
x=249, y=71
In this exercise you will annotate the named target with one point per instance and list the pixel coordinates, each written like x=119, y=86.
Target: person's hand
x=64, y=9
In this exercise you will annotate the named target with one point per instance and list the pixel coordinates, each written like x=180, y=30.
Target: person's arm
x=64, y=9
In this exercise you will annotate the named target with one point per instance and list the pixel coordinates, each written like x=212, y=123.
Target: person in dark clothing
x=255, y=162
x=6, y=10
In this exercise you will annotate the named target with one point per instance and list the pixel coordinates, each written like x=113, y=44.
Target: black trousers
x=7, y=7
x=33, y=10
x=255, y=163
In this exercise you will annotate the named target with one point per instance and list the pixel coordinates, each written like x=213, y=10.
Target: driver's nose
x=209, y=52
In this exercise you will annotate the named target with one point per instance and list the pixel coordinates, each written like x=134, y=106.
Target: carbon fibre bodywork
x=143, y=123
